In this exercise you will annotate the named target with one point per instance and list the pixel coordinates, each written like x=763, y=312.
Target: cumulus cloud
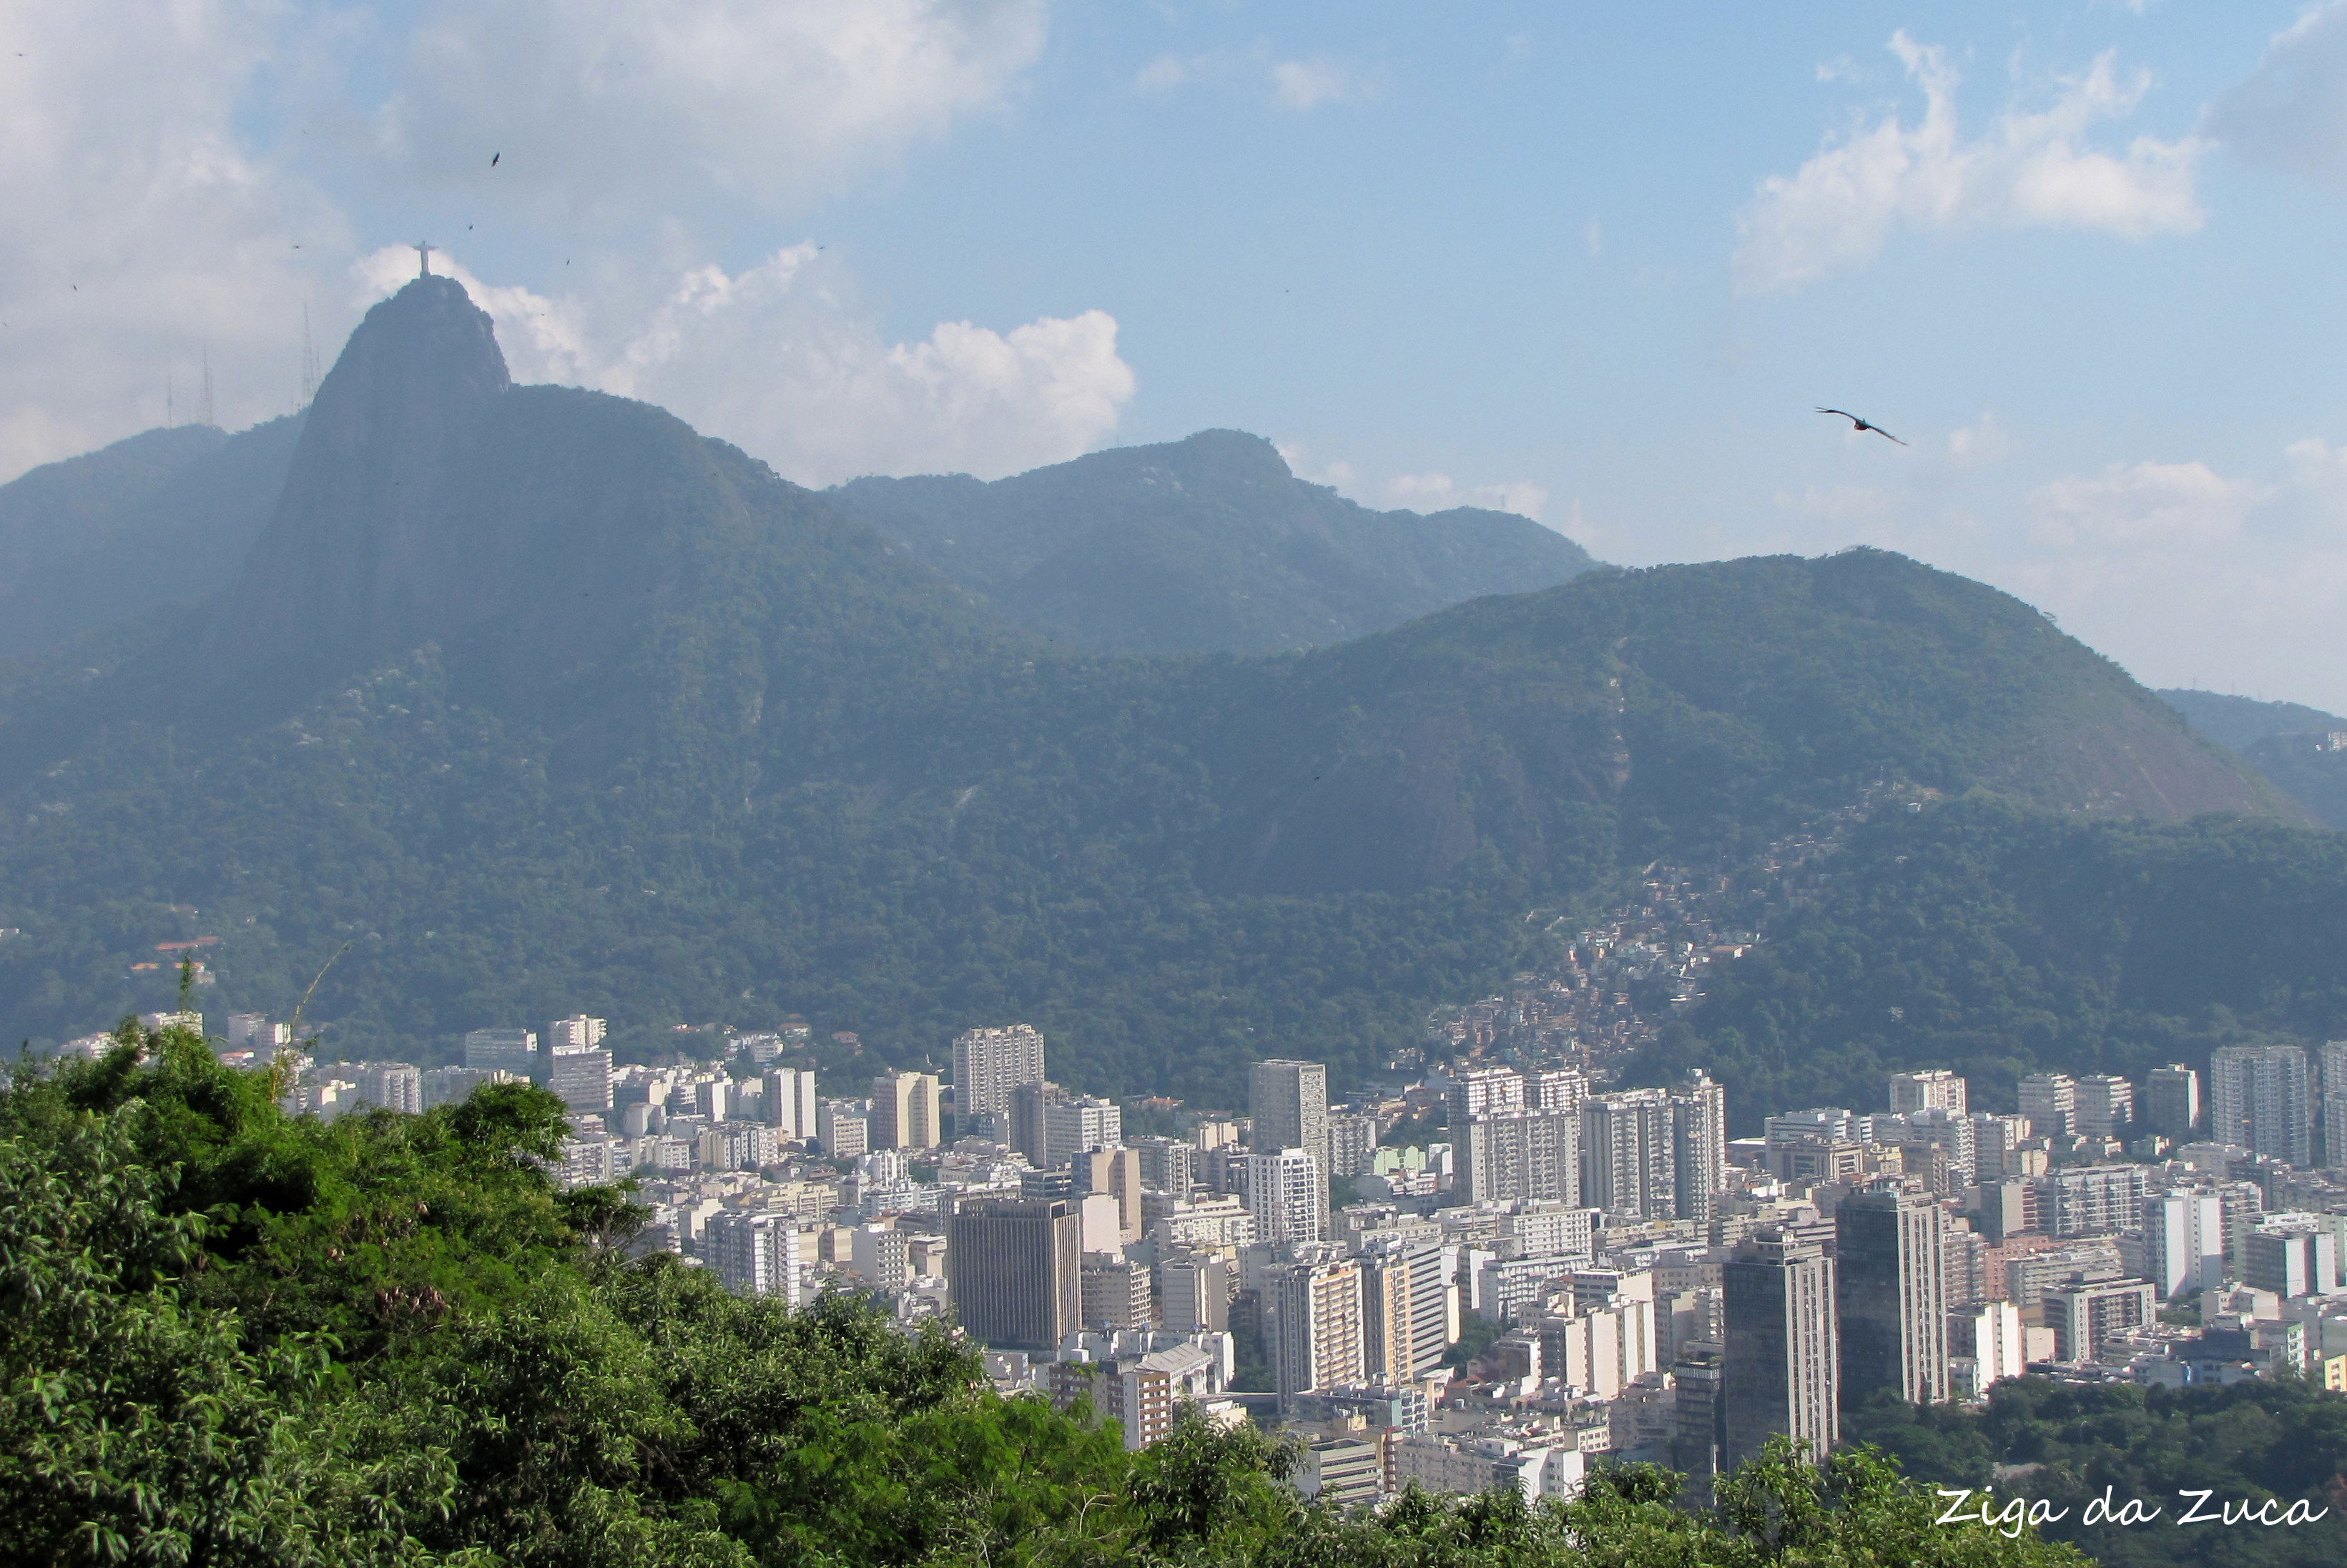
x=778, y=360
x=1297, y=86
x=142, y=235
x=2029, y=169
x=2290, y=111
x=599, y=105
x=2146, y=506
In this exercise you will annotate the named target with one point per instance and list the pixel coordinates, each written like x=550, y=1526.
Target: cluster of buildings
x=1569, y=1271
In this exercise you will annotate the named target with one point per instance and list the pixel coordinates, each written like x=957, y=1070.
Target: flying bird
x=493, y=159
x=1862, y=424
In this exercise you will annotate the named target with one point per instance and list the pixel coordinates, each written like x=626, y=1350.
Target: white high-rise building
x=2184, y=1241
x=2050, y=1101
x=1285, y=1195
x=988, y=1064
x=1627, y=1147
x=1699, y=1144
x=2261, y=1096
x=1520, y=1152
x=1929, y=1089
x=788, y=1102
x=905, y=1111
x=1482, y=1091
x=580, y=1077
x=578, y=1032
x=1077, y=1122
x=757, y=1253
x=1289, y=1103
x=394, y=1085
x=513, y=1051
x=2105, y=1105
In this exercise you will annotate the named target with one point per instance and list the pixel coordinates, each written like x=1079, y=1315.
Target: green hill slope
x=1207, y=544
x=540, y=703
x=2296, y=746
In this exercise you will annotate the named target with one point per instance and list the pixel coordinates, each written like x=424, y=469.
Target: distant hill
x=1205, y=545
x=529, y=701
x=2294, y=745
x=158, y=518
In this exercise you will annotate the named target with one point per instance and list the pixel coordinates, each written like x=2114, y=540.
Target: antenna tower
x=308, y=361
x=207, y=386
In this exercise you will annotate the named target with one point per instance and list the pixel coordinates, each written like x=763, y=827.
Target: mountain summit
x=365, y=553
x=1209, y=544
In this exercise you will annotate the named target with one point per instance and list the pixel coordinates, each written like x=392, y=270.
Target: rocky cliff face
x=364, y=555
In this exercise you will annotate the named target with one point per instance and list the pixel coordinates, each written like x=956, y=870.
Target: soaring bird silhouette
x=1861, y=423
x=493, y=159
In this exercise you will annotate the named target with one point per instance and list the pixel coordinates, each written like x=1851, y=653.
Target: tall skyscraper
x=513, y=1051
x=1699, y=1144
x=905, y=1111
x=1026, y=1126
x=2050, y=1101
x=1519, y=1153
x=1014, y=1271
x=2263, y=1098
x=1928, y=1089
x=2331, y=1073
x=2184, y=1241
x=1890, y=1295
x=1286, y=1196
x=1780, y=1371
x=1406, y=1310
x=1289, y=1103
x=2172, y=1100
x=757, y=1253
x=1627, y=1165
x=1314, y=1323
x=988, y=1064
x=789, y=1101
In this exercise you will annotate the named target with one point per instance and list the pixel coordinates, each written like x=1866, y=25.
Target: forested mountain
x=536, y=701
x=1204, y=545
x=2002, y=942
x=2298, y=747
x=161, y=518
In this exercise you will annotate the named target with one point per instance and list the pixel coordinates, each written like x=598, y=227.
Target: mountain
x=161, y=518
x=529, y=701
x=1205, y=545
x=2301, y=749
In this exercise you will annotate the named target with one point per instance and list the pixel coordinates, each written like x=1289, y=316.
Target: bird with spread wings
x=1861, y=425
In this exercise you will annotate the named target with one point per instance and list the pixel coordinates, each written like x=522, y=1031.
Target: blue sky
x=1595, y=262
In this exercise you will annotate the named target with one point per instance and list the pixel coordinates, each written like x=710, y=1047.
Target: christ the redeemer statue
x=423, y=250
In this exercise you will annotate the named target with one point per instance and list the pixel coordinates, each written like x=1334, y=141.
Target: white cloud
x=1164, y=73
x=1301, y=85
x=2291, y=110
x=599, y=107
x=1985, y=440
x=778, y=360
x=2030, y=170
x=142, y=235
x=2146, y=506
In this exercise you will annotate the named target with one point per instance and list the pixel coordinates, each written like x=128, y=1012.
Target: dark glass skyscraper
x=1892, y=1295
x=1780, y=1372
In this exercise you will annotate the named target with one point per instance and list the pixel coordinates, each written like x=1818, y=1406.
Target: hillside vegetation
x=530, y=701
x=231, y=1337
x=2000, y=942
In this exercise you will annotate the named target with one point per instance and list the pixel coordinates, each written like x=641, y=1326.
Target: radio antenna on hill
x=207, y=386
x=308, y=361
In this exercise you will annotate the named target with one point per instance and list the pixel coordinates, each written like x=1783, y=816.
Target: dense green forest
x=2246, y=1443
x=2000, y=942
x=230, y=1336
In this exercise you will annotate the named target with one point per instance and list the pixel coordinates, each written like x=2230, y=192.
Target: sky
x=1596, y=263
